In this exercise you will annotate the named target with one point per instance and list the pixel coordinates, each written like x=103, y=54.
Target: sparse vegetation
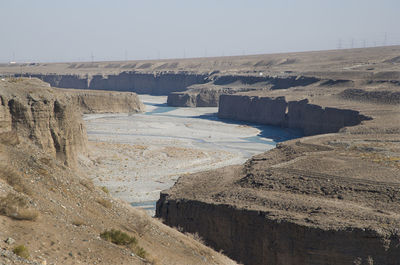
x=16, y=207
x=140, y=252
x=15, y=79
x=118, y=237
x=196, y=236
x=105, y=189
x=123, y=239
x=21, y=251
x=106, y=203
x=14, y=179
x=87, y=183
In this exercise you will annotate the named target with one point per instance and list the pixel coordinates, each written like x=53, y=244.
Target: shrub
x=195, y=236
x=14, y=179
x=21, y=251
x=140, y=252
x=121, y=238
x=105, y=190
x=106, y=203
x=87, y=183
x=118, y=237
x=16, y=207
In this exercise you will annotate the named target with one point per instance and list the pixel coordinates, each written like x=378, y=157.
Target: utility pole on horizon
x=339, y=46
x=385, y=40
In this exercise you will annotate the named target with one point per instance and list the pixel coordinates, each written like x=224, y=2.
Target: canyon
x=329, y=197
x=50, y=207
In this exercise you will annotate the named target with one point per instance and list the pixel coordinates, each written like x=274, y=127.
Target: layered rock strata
x=295, y=206
x=161, y=83
x=33, y=110
x=310, y=118
x=52, y=117
x=92, y=101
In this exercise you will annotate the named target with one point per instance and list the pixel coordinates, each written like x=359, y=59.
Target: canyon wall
x=203, y=98
x=230, y=84
x=311, y=119
x=34, y=111
x=93, y=101
x=276, y=82
x=161, y=83
x=253, y=238
x=52, y=118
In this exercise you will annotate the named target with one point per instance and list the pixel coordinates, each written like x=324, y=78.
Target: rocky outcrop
x=92, y=101
x=311, y=119
x=52, y=117
x=34, y=111
x=254, y=238
x=202, y=98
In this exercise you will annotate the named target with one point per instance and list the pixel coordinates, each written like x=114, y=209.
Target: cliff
x=160, y=83
x=35, y=111
x=310, y=118
x=93, y=101
x=55, y=212
x=317, y=200
x=253, y=237
x=202, y=98
x=52, y=117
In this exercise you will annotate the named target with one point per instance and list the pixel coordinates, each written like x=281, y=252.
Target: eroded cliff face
x=254, y=238
x=310, y=118
x=161, y=83
x=203, y=98
x=90, y=101
x=34, y=111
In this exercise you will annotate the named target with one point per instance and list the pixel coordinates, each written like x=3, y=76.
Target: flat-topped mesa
x=310, y=118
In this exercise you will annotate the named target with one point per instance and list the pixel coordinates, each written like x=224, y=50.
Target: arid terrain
x=330, y=197
x=55, y=211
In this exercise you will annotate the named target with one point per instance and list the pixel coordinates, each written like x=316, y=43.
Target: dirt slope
x=57, y=213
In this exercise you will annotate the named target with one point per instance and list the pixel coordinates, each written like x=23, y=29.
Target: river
x=136, y=156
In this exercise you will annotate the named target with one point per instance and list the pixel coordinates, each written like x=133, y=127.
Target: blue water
x=148, y=206
x=161, y=108
x=268, y=136
x=267, y=132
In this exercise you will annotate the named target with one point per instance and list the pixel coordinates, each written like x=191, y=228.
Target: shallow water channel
x=136, y=156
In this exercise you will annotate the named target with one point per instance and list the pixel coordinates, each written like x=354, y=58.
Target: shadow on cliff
x=276, y=133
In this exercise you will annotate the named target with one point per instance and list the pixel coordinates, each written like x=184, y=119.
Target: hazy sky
x=59, y=30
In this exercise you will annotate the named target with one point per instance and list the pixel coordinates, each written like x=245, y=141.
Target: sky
x=105, y=30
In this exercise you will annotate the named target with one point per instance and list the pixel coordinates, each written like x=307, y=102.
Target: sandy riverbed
x=137, y=156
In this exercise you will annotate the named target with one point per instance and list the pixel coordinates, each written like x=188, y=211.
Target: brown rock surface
x=56, y=212
x=323, y=199
x=36, y=112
